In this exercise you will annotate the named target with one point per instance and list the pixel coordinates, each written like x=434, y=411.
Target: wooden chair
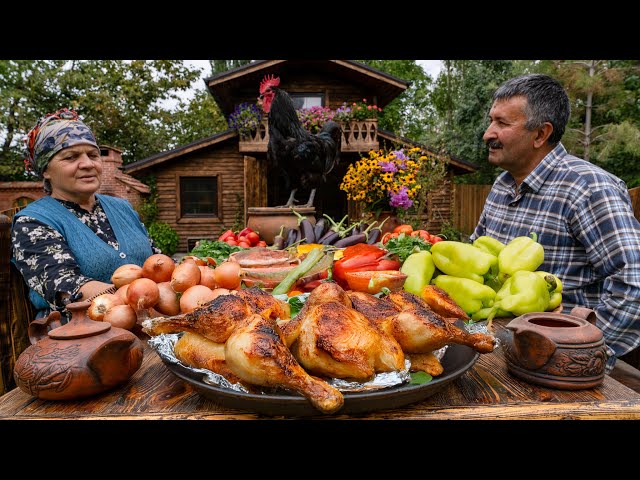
x=16, y=311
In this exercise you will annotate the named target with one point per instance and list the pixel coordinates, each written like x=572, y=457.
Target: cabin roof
x=224, y=85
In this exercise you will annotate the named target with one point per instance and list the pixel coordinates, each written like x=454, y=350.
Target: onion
x=185, y=275
x=196, y=260
x=121, y=316
x=126, y=274
x=168, y=304
x=195, y=297
x=143, y=293
x=101, y=305
x=207, y=277
x=122, y=293
x=227, y=275
x=158, y=267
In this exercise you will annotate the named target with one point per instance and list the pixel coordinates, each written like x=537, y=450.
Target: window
x=307, y=100
x=198, y=196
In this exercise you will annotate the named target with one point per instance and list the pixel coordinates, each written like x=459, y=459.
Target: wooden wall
x=468, y=202
x=223, y=161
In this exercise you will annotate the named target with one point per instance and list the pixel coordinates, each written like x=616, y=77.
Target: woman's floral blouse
x=46, y=262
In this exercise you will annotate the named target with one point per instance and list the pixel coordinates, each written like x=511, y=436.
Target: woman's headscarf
x=52, y=133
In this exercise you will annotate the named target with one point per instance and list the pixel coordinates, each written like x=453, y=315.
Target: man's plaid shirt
x=584, y=219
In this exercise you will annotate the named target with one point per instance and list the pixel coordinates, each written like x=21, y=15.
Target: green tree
x=124, y=102
x=196, y=118
x=220, y=66
x=461, y=99
x=409, y=114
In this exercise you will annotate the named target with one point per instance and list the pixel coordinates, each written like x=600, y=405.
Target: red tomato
x=245, y=232
x=227, y=234
x=231, y=241
x=388, y=236
x=253, y=238
x=404, y=228
x=423, y=234
x=261, y=243
x=244, y=244
x=435, y=239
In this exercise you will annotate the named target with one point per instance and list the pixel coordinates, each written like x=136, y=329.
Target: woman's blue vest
x=96, y=258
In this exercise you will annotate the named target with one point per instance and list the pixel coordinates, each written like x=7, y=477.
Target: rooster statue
x=305, y=158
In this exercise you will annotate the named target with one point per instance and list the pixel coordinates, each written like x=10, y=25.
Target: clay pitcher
x=79, y=359
x=556, y=350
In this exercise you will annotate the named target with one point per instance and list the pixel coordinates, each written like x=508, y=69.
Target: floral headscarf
x=52, y=133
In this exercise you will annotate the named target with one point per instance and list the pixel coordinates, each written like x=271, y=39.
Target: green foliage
x=410, y=113
x=449, y=232
x=238, y=221
x=215, y=249
x=148, y=209
x=462, y=98
x=620, y=152
x=198, y=118
x=164, y=237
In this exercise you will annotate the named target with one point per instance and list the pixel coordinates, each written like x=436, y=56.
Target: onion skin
x=185, y=275
x=126, y=274
x=207, y=277
x=158, y=267
x=143, y=293
x=102, y=304
x=121, y=316
x=195, y=297
x=169, y=303
x=122, y=293
x=227, y=275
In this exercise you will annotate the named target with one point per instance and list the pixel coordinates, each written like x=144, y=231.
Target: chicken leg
x=257, y=354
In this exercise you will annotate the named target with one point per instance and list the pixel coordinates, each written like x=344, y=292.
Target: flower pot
x=268, y=220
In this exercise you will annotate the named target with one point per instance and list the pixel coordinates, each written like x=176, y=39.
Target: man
x=582, y=214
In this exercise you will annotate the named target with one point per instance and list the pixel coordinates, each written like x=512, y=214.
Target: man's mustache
x=494, y=144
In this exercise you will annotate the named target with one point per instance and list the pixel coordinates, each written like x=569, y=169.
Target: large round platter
x=456, y=361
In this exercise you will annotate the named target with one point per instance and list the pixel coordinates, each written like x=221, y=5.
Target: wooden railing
x=357, y=136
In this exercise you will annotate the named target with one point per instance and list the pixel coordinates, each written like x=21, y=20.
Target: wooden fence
x=469, y=201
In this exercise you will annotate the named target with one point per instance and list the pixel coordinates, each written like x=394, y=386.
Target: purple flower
x=400, y=199
x=387, y=166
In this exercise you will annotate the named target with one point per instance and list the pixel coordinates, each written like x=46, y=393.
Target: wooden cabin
x=208, y=185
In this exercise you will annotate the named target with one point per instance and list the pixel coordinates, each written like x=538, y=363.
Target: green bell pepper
x=521, y=253
x=556, y=295
x=419, y=268
x=462, y=260
x=470, y=295
x=522, y=293
x=489, y=245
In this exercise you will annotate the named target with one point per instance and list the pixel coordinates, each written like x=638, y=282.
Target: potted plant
x=314, y=118
x=245, y=119
x=390, y=183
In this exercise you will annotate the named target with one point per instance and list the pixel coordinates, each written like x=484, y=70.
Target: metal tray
x=456, y=361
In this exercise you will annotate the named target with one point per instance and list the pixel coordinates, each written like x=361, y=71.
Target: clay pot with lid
x=556, y=350
x=79, y=359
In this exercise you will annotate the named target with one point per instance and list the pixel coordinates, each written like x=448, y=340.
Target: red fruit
x=253, y=238
x=244, y=244
x=231, y=241
x=261, y=243
x=226, y=235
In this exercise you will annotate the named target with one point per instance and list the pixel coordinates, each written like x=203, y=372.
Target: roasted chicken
x=442, y=303
x=218, y=318
x=415, y=326
x=331, y=339
x=255, y=351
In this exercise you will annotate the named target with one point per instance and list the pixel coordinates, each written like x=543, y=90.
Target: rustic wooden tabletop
x=486, y=391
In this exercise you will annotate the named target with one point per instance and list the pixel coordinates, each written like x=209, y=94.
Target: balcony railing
x=357, y=136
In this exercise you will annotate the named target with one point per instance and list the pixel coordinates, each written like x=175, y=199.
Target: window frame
x=206, y=217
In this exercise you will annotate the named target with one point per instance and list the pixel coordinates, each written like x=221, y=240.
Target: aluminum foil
x=164, y=345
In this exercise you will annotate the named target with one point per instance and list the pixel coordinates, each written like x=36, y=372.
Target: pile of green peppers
x=487, y=279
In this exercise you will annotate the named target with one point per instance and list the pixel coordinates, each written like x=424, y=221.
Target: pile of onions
x=143, y=294
x=101, y=304
x=110, y=308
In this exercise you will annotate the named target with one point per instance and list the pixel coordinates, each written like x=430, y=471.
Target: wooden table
x=487, y=392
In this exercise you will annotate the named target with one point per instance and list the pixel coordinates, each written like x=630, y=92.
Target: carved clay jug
x=556, y=350
x=79, y=359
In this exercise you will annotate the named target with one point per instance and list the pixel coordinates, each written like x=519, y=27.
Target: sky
x=432, y=67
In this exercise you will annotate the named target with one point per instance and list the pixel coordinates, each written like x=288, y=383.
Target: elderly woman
x=68, y=243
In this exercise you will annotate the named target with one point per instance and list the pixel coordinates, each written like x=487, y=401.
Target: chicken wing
x=441, y=303
x=256, y=353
